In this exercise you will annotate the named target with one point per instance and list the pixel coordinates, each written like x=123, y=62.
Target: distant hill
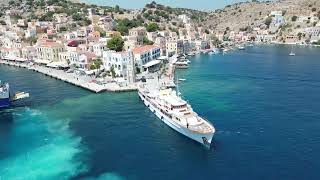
x=241, y=15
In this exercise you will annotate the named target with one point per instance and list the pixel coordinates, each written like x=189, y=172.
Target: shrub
x=116, y=43
x=294, y=18
x=268, y=21
x=152, y=27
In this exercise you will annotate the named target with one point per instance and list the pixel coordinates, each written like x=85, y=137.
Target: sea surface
x=264, y=104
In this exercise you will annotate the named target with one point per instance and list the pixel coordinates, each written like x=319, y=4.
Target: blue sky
x=194, y=4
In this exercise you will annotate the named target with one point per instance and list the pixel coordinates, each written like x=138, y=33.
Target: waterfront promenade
x=85, y=82
x=90, y=83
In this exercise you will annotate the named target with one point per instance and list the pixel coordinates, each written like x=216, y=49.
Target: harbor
x=261, y=102
x=85, y=82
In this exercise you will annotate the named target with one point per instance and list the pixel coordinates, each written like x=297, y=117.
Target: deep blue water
x=264, y=104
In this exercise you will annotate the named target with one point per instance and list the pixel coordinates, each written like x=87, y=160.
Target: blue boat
x=4, y=95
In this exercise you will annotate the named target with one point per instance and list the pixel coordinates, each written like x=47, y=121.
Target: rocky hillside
x=166, y=16
x=241, y=15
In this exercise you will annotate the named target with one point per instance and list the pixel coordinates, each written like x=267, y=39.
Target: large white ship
x=168, y=106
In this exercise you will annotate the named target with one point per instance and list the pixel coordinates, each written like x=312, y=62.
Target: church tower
x=131, y=74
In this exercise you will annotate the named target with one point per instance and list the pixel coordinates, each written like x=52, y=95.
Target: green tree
x=32, y=40
x=77, y=17
x=47, y=17
x=113, y=73
x=117, y=8
x=146, y=41
x=268, y=21
x=152, y=27
x=96, y=64
x=299, y=35
x=215, y=41
x=116, y=43
x=126, y=24
x=294, y=18
x=63, y=29
x=87, y=21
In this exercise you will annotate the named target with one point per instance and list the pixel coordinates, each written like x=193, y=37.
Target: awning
x=151, y=63
x=41, y=61
x=90, y=72
x=162, y=58
x=58, y=64
x=14, y=58
x=20, y=59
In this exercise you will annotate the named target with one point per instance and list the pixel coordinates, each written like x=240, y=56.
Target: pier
x=85, y=82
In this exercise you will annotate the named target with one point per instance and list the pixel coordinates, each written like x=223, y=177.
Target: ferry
x=170, y=108
x=4, y=95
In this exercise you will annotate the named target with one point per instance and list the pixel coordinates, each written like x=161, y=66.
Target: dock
x=85, y=82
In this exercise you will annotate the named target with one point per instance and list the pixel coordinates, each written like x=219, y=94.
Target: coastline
x=80, y=81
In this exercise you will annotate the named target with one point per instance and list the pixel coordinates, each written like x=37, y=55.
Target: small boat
x=292, y=53
x=241, y=47
x=20, y=95
x=182, y=79
x=192, y=54
x=181, y=65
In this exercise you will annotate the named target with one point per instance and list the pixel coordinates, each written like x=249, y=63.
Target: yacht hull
x=204, y=139
x=4, y=103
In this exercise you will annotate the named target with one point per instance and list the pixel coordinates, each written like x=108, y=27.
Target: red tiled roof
x=89, y=55
x=142, y=49
x=47, y=43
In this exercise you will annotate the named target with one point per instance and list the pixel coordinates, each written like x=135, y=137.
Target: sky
x=193, y=4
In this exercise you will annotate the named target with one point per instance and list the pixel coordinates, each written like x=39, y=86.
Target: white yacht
x=181, y=65
x=241, y=47
x=168, y=106
x=292, y=53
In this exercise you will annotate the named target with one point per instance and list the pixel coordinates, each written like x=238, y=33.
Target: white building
x=145, y=54
x=98, y=49
x=313, y=32
x=49, y=50
x=116, y=60
x=174, y=47
x=119, y=60
x=70, y=36
x=139, y=33
x=184, y=18
x=31, y=32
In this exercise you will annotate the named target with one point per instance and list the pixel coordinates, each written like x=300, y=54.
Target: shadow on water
x=6, y=121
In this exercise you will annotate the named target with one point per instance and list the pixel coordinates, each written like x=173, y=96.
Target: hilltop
x=241, y=16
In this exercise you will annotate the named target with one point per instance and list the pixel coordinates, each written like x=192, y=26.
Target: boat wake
x=37, y=147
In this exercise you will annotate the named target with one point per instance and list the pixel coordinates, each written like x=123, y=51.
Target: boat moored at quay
x=170, y=108
x=4, y=95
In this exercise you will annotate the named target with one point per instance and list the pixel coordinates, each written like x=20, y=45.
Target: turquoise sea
x=264, y=104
